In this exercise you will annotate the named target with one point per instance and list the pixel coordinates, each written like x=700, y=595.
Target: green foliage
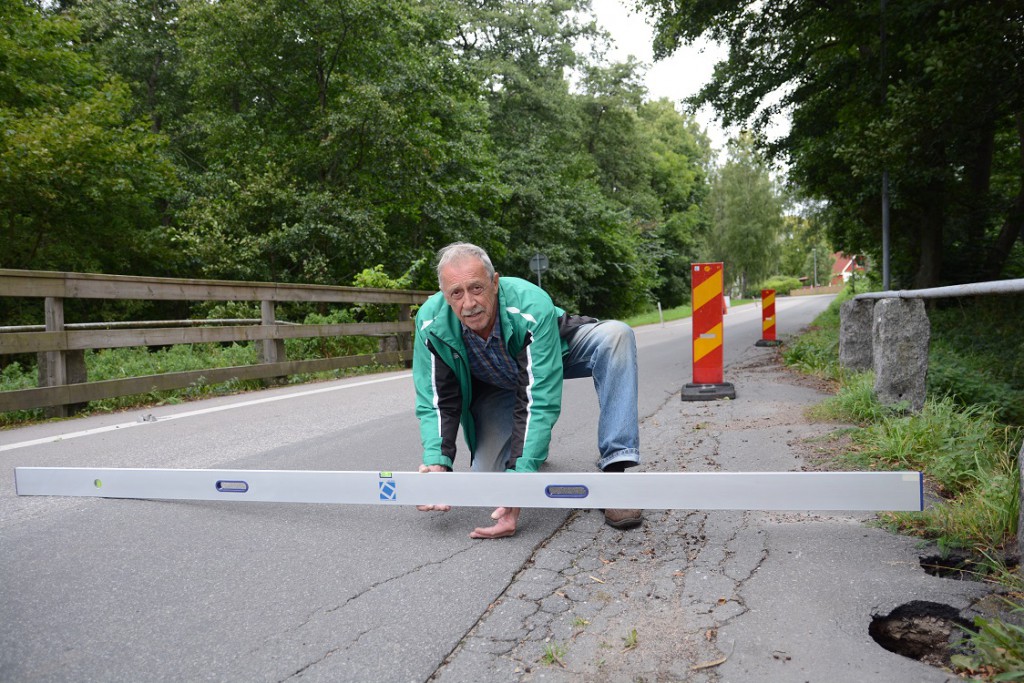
x=81, y=178
x=996, y=647
x=816, y=351
x=136, y=41
x=553, y=654
x=804, y=250
x=653, y=316
x=957, y=446
x=855, y=402
x=679, y=177
x=14, y=376
x=318, y=154
x=978, y=357
x=782, y=284
x=329, y=347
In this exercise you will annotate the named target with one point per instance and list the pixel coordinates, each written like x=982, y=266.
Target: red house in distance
x=843, y=268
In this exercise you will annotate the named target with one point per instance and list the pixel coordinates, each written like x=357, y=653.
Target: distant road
x=128, y=590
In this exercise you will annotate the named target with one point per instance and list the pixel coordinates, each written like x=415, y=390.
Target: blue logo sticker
x=388, y=489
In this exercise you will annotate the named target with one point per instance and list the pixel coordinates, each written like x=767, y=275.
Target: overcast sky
x=677, y=77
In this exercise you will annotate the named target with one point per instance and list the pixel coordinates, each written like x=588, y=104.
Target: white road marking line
x=194, y=413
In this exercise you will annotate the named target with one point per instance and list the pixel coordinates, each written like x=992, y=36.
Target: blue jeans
x=604, y=350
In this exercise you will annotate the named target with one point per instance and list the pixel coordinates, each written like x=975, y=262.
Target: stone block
x=855, y=332
x=900, y=336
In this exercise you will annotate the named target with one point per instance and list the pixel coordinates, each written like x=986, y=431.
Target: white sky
x=677, y=77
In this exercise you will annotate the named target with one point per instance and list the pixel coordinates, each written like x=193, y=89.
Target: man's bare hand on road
x=504, y=526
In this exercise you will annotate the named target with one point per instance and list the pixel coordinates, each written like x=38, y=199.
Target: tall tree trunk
x=929, y=242
x=1013, y=226
x=979, y=175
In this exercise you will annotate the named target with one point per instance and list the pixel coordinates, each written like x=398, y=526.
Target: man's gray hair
x=457, y=251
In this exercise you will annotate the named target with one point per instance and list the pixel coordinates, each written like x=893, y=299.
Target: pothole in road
x=960, y=566
x=954, y=566
x=926, y=631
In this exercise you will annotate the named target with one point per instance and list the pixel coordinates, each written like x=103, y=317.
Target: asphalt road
x=130, y=590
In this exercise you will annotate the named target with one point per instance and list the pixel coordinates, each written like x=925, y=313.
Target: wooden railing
x=63, y=384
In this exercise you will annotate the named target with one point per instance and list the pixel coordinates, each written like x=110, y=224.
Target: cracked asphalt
x=717, y=595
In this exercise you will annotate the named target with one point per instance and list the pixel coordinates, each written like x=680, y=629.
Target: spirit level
x=645, y=490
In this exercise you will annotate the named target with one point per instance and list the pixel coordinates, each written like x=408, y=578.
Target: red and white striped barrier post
x=708, y=304
x=767, y=319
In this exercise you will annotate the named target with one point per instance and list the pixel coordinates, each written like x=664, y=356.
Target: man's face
x=471, y=294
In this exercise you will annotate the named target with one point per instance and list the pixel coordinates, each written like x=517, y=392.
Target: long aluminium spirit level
x=869, y=491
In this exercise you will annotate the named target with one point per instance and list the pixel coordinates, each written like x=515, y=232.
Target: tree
x=569, y=183
x=81, y=178
x=804, y=251
x=930, y=91
x=746, y=217
x=136, y=40
x=327, y=136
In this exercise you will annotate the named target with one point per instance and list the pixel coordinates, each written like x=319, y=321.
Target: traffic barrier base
x=708, y=392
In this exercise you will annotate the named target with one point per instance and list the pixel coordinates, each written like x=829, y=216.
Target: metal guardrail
x=971, y=289
x=63, y=385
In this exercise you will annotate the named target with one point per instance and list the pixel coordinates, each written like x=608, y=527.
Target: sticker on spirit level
x=388, y=489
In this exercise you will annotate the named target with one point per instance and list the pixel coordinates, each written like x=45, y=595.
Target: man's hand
x=504, y=526
x=434, y=508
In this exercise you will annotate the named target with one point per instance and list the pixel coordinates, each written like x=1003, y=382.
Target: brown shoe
x=623, y=519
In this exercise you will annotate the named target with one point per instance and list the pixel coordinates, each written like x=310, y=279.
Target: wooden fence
x=61, y=348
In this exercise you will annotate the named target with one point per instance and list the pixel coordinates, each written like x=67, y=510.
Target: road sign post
x=539, y=264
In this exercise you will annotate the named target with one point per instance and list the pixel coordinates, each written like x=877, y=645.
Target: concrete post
x=855, y=332
x=900, y=336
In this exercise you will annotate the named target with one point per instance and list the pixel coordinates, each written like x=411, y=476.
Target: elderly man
x=491, y=354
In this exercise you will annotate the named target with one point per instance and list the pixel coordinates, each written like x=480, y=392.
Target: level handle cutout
x=229, y=486
x=566, y=491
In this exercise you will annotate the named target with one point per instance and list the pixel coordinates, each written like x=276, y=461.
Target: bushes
x=782, y=284
x=977, y=355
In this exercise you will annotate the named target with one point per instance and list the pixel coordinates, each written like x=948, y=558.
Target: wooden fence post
x=271, y=350
x=405, y=338
x=57, y=368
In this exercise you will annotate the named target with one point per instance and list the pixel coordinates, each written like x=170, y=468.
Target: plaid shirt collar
x=489, y=359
